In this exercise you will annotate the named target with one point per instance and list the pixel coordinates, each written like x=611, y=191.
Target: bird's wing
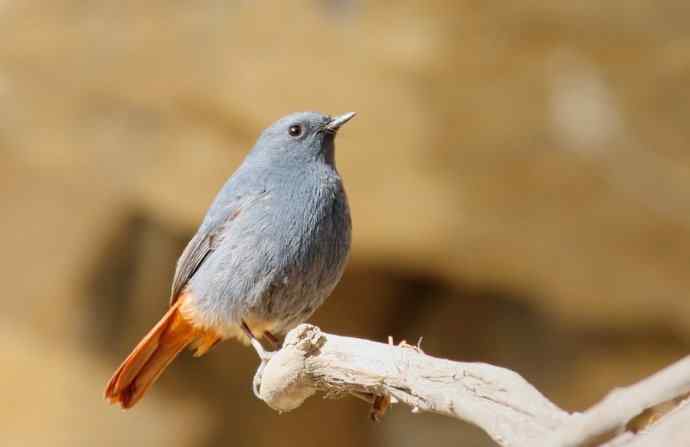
x=202, y=244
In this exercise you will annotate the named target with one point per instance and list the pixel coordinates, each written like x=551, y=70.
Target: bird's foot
x=256, y=383
x=264, y=355
x=272, y=340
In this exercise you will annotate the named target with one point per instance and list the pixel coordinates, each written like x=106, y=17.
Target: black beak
x=335, y=123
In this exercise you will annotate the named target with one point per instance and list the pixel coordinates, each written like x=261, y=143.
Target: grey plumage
x=270, y=250
x=275, y=241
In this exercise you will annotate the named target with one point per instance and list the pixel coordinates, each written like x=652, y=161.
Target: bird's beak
x=335, y=123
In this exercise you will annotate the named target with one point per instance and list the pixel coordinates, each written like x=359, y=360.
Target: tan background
x=519, y=176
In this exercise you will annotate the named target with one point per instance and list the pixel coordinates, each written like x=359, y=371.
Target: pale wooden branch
x=623, y=404
x=673, y=429
x=495, y=399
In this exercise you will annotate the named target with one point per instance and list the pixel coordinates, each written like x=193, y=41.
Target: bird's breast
x=279, y=258
x=312, y=243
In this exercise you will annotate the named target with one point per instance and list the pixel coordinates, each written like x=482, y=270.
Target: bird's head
x=301, y=137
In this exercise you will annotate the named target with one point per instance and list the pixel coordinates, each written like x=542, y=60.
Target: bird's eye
x=295, y=130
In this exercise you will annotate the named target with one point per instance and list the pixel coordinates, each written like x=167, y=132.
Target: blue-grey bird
x=272, y=247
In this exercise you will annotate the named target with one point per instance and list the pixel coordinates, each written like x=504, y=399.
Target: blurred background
x=519, y=177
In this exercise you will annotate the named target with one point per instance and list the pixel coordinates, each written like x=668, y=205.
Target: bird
x=271, y=248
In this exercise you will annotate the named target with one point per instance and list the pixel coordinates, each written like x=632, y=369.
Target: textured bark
x=498, y=400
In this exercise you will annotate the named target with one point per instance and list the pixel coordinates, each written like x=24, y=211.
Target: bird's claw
x=265, y=357
x=256, y=384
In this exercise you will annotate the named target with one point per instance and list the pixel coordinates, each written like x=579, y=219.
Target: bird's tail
x=154, y=353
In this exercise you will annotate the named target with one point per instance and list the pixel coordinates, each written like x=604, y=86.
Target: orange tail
x=153, y=354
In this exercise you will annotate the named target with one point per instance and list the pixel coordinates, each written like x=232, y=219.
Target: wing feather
x=198, y=249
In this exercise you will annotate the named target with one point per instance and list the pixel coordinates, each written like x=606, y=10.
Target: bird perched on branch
x=270, y=250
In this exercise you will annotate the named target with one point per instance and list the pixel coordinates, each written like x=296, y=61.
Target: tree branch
x=672, y=430
x=623, y=404
x=497, y=400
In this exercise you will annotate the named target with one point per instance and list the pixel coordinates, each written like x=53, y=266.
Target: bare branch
x=672, y=430
x=495, y=399
x=498, y=400
x=623, y=404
